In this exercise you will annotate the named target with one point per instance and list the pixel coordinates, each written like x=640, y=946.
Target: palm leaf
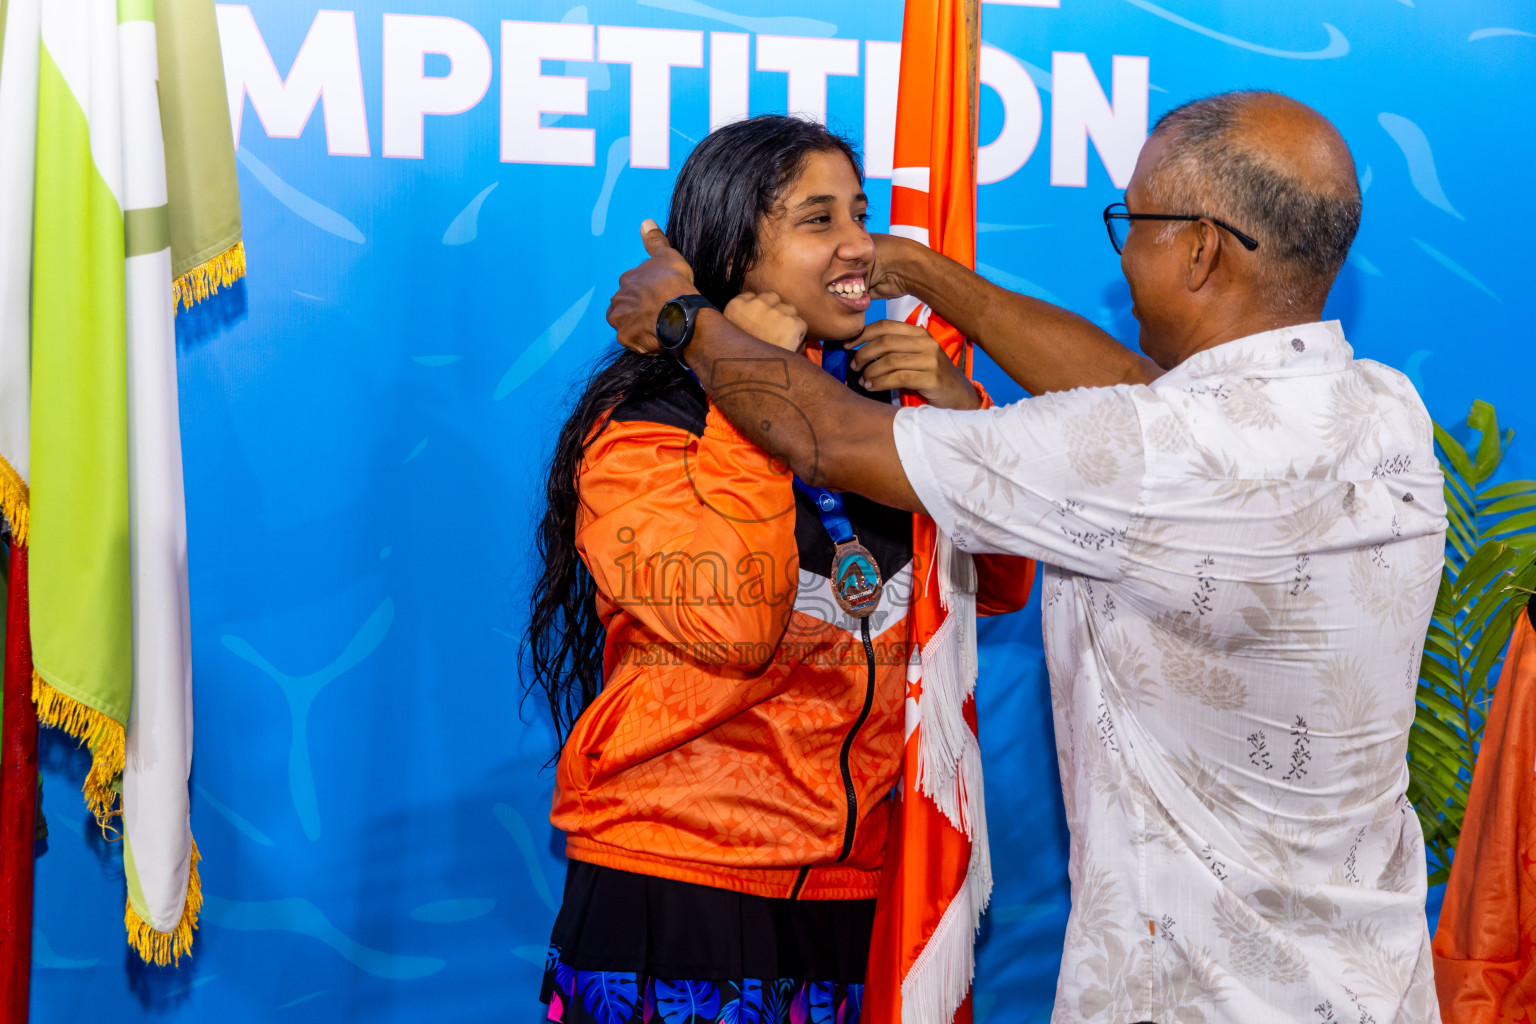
x=1433, y=673
x=1455, y=454
x=1522, y=523
x=1437, y=642
x=1490, y=573
x=1512, y=503
x=1513, y=487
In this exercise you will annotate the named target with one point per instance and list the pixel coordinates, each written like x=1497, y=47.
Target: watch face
x=671, y=324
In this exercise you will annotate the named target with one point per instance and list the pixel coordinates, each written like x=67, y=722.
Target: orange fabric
x=712, y=754
x=916, y=891
x=936, y=124
x=1485, y=946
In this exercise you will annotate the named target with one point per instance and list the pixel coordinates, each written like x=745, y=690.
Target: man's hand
x=885, y=279
x=768, y=318
x=1041, y=346
x=897, y=355
x=644, y=290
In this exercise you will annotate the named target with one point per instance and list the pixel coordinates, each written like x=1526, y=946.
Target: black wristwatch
x=674, y=324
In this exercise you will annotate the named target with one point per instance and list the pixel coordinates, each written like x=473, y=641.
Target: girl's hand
x=898, y=355
x=769, y=318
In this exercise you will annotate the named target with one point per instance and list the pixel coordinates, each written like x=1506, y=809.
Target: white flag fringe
x=949, y=773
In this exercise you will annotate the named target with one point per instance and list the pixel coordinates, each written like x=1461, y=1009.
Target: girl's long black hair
x=730, y=184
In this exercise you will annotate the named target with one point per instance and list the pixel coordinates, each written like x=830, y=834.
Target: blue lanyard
x=829, y=504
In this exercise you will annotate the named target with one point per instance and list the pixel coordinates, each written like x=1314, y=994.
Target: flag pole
x=18, y=798
x=937, y=877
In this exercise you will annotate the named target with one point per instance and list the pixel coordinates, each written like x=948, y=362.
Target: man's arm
x=787, y=406
x=1043, y=347
x=1005, y=480
x=829, y=436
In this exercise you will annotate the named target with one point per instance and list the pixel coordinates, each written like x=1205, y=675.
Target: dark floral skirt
x=633, y=949
x=620, y=997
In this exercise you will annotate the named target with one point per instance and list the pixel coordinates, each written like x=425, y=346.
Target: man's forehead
x=1146, y=161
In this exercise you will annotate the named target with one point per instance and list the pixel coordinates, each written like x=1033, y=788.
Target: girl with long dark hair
x=723, y=650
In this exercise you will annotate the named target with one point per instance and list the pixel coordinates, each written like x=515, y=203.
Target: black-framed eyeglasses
x=1118, y=224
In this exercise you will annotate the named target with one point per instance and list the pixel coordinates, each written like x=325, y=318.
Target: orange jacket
x=748, y=732
x=1485, y=946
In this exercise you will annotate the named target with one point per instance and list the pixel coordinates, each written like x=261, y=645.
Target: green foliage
x=1490, y=572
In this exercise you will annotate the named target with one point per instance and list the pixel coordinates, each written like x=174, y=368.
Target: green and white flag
x=18, y=161
x=118, y=200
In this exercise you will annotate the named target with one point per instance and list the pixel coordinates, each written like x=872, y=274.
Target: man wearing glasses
x=1242, y=533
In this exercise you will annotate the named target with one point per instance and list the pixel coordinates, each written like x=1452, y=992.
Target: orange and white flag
x=938, y=874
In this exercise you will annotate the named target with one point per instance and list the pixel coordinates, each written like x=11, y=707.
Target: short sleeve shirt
x=1240, y=561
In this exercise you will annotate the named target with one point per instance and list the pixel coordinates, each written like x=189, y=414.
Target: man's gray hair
x=1304, y=233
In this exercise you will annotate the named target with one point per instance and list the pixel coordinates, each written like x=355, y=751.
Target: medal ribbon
x=829, y=504
x=854, y=574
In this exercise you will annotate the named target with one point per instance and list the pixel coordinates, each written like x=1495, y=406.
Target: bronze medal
x=856, y=579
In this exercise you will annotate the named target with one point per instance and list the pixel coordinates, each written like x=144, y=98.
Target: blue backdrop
x=366, y=417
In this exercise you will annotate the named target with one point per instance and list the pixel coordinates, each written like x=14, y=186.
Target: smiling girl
x=723, y=650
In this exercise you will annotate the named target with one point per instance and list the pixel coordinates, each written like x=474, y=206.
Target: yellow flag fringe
x=208, y=277
x=105, y=738
x=161, y=948
x=15, y=499
x=101, y=733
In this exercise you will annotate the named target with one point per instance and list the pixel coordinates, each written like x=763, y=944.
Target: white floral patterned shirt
x=1241, y=560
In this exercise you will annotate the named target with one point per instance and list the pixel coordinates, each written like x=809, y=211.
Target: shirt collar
x=1302, y=350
